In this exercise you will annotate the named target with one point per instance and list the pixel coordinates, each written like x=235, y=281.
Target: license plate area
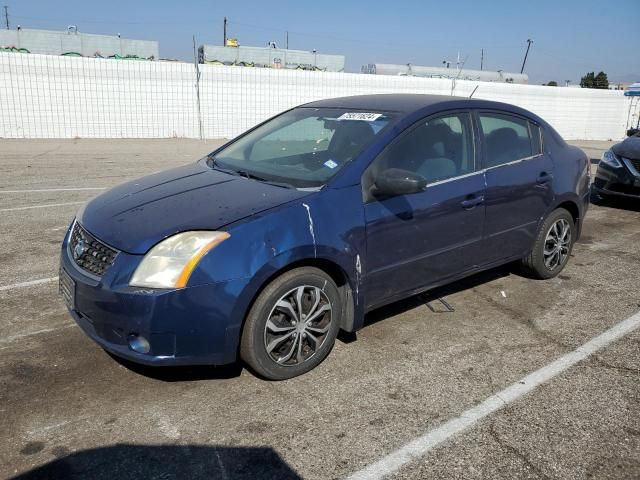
x=67, y=289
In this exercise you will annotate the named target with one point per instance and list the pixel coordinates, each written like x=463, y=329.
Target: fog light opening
x=138, y=343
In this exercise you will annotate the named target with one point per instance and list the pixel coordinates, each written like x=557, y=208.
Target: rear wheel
x=292, y=325
x=552, y=247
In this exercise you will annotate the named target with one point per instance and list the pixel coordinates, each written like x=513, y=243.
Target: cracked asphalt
x=69, y=410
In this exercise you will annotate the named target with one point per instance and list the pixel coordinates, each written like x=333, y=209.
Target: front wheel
x=292, y=325
x=552, y=247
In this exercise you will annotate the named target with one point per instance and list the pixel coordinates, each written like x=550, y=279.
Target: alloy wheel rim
x=298, y=325
x=557, y=244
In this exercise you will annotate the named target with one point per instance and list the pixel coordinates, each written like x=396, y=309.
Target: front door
x=422, y=238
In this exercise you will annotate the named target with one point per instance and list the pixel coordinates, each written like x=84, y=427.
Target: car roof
x=408, y=103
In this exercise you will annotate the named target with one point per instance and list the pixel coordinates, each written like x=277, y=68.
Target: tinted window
x=437, y=148
x=506, y=138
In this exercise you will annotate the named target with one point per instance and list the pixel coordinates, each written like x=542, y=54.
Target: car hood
x=136, y=215
x=629, y=148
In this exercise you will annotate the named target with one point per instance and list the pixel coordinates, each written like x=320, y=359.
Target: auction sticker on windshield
x=330, y=164
x=365, y=116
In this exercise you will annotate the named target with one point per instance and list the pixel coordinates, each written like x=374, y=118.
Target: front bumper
x=197, y=325
x=622, y=182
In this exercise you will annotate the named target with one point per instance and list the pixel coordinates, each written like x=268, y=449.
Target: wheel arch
x=573, y=207
x=331, y=268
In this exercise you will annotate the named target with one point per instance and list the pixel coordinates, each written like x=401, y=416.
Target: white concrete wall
x=64, y=97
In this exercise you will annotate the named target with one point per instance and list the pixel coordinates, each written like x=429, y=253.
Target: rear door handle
x=472, y=201
x=544, y=178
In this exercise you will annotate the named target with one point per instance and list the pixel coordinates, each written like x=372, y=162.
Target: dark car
x=271, y=244
x=618, y=173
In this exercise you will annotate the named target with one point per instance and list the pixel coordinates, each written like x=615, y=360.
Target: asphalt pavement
x=69, y=410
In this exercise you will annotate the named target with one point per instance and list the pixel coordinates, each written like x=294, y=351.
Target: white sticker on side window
x=363, y=116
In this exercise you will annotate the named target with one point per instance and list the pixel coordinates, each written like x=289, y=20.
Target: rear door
x=422, y=238
x=519, y=176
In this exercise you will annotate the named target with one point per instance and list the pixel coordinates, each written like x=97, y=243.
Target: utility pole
x=481, y=58
x=287, y=42
x=6, y=16
x=529, y=42
x=224, y=44
x=195, y=62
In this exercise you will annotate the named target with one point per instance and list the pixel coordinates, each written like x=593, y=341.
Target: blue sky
x=570, y=37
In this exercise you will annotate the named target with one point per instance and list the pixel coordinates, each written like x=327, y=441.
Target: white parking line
x=6, y=342
x=28, y=284
x=423, y=444
x=53, y=190
x=14, y=209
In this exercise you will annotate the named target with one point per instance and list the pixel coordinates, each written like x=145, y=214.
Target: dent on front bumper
x=189, y=326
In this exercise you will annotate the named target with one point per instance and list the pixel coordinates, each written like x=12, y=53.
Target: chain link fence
x=45, y=96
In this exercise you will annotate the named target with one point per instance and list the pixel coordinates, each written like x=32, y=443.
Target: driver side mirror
x=396, y=181
x=632, y=131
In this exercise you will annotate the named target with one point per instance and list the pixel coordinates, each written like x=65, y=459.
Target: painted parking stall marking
x=6, y=343
x=79, y=189
x=30, y=283
x=48, y=205
x=427, y=442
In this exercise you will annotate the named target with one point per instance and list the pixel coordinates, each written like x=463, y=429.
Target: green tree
x=588, y=80
x=602, y=81
x=591, y=80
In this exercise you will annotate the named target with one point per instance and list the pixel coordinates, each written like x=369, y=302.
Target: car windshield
x=302, y=148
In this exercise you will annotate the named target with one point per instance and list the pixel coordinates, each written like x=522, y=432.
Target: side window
x=506, y=138
x=436, y=148
x=308, y=135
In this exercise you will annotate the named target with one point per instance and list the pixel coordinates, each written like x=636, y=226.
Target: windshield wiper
x=246, y=174
x=253, y=176
x=214, y=164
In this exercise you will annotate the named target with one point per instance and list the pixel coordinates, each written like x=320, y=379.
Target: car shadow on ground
x=182, y=373
x=205, y=372
x=433, y=295
x=127, y=461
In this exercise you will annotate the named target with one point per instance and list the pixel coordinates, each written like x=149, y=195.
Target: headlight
x=611, y=159
x=170, y=263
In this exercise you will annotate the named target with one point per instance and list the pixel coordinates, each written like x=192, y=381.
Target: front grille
x=89, y=253
x=635, y=163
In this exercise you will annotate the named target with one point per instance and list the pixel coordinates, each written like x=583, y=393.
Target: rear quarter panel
x=571, y=172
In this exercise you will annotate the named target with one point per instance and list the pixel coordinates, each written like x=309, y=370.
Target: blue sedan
x=267, y=247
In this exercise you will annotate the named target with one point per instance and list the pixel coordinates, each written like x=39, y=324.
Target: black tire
x=256, y=336
x=534, y=263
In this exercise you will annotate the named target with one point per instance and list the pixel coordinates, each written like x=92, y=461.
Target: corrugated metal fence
x=61, y=97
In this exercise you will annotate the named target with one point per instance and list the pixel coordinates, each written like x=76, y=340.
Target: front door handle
x=472, y=201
